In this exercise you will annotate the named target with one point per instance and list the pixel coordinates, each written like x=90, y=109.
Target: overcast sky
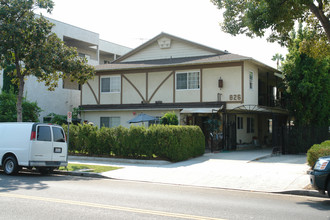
x=133, y=22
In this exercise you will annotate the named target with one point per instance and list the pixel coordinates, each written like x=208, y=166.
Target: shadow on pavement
x=319, y=205
x=289, y=159
x=32, y=181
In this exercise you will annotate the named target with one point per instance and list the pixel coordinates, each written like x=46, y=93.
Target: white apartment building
x=68, y=95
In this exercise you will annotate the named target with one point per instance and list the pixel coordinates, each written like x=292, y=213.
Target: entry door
x=231, y=132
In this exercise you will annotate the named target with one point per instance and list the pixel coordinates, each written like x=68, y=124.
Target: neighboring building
x=198, y=83
x=68, y=95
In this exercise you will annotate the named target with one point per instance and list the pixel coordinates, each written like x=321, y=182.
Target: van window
x=43, y=133
x=58, y=135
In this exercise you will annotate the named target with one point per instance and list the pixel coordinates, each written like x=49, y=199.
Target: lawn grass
x=88, y=168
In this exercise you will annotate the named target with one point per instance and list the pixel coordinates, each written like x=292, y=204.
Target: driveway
x=253, y=170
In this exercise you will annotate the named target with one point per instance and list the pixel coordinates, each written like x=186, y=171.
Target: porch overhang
x=249, y=109
x=156, y=106
x=199, y=110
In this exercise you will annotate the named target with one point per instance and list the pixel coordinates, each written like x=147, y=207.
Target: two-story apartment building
x=198, y=83
x=67, y=95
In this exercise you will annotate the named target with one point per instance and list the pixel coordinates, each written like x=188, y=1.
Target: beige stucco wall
x=87, y=95
x=130, y=95
x=250, y=95
x=242, y=135
x=125, y=116
x=177, y=49
x=165, y=92
x=232, y=79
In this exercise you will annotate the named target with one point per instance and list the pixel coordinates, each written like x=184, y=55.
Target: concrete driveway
x=253, y=170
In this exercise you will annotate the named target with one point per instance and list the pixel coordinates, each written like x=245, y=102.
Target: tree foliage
x=170, y=118
x=308, y=83
x=8, y=113
x=254, y=17
x=27, y=42
x=278, y=57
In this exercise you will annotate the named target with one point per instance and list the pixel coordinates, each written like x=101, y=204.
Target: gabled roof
x=184, y=61
x=213, y=56
x=161, y=35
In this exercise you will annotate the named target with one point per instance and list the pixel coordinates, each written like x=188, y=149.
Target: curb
x=310, y=193
x=77, y=173
x=119, y=160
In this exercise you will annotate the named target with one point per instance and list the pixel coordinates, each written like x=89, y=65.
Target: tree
x=254, y=17
x=8, y=112
x=27, y=42
x=278, y=57
x=308, y=83
x=170, y=118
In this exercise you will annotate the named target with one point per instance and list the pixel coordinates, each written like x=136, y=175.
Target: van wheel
x=328, y=188
x=10, y=165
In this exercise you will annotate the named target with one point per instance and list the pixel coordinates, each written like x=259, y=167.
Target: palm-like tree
x=278, y=57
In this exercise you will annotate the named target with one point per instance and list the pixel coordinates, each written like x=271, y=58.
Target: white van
x=29, y=145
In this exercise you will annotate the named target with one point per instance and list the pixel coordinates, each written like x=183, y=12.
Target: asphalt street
x=32, y=196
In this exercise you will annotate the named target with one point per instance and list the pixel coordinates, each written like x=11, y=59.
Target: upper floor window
x=251, y=80
x=110, y=84
x=188, y=80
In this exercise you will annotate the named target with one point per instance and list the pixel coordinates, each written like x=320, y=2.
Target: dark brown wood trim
x=242, y=92
x=97, y=101
x=156, y=90
x=147, y=86
x=201, y=85
x=121, y=88
x=169, y=68
x=99, y=89
x=174, y=89
x=81, y=93
x=136, y=89
x=156, y=106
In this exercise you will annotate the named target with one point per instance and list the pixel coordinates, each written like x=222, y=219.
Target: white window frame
x=251, y=79
x=188, y=79
x=115, y=90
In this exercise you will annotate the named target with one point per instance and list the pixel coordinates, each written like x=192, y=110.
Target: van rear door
x=42, y=147
x=59, y=144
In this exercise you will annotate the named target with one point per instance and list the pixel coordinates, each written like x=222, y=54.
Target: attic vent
x=164, y=43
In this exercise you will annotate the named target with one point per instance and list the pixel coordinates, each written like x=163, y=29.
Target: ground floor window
x=250, y=125
x=109, y=122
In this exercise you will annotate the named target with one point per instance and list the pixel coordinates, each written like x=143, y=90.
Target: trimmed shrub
x=316, y=151
x=174, y=143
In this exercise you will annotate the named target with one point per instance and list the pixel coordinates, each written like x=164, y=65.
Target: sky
x=133, y=22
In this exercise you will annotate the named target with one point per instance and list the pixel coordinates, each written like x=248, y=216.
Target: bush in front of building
x=170, y=118
x=173, y=143
x=316, y=151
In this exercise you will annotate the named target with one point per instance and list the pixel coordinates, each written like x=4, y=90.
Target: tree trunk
x=322, y=18
x=20, y=93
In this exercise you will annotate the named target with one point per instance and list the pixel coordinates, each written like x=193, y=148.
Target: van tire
x=10, y=165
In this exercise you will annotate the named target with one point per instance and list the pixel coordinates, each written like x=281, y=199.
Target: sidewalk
x=253, y=170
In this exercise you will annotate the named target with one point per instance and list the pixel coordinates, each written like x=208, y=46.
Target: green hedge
x=316, y=151
x=174, y=143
